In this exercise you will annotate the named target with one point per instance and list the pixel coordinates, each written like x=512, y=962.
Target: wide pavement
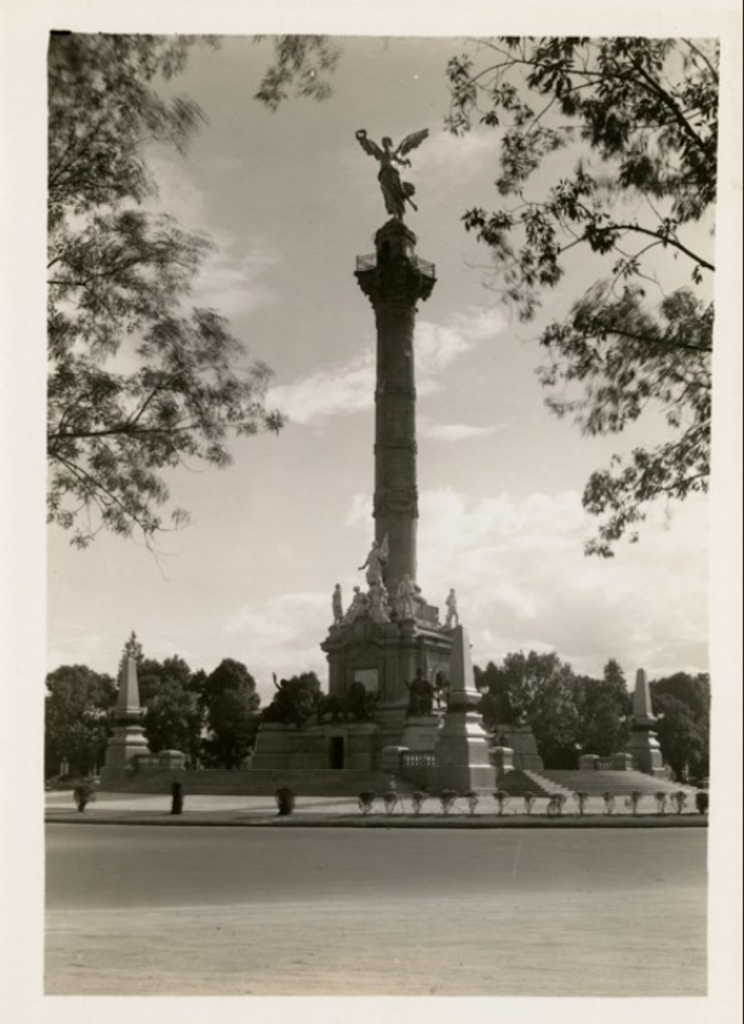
x=209, y=911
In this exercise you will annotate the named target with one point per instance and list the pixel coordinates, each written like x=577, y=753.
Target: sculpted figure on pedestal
x=405, y=598
x=375, y=562
x=337, y=605
x=453, y=617
x=420, y=695
x=395, y=192
x=359, y=606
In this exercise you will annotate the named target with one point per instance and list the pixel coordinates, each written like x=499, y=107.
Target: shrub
x=581, y=799
x=417, y=800
x=529, y=801
x=635, y=800
x=83, y=795
x=502, y=799
x=472, y=798
x=555, y=804
x=609, y=799
x=661, y=801
x=447, y=799
x=679, y=799
x=366, y=801
x=285, y=800
x=390, y=800
x=701, y=803
x=176, y=798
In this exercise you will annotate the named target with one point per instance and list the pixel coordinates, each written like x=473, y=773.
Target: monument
x=388, y=652
x=128, y=739
x=392, y=635
x=643, y=746
x=461, y=754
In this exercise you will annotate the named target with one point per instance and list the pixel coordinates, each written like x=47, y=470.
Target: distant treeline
x=214, y=717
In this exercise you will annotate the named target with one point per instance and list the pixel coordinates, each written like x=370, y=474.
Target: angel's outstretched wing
x=411, y=142
x=368, y=145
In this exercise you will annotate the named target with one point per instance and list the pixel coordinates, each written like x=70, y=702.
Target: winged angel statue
x=395, y=192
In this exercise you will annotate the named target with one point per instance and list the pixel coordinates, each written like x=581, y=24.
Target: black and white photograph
x=386, y=643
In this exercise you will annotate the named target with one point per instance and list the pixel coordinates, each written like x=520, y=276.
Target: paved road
x=536, y=912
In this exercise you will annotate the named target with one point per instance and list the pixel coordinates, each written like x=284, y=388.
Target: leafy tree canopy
x=76, y=718
x=139, y=382
x=173, y=718
x=683, y=741
x=303, y=64
x=232, y=703
x=643, y=115
x=295, y=699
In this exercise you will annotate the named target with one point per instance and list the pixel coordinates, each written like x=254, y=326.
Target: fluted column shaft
x=394, y=285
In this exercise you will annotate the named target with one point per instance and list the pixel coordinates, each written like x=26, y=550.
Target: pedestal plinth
x=386, y=657
x=646, y=753
x=521, y=740
x=462, y=752
x=420, y=732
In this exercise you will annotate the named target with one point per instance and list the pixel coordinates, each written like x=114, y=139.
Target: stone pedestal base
x=272, y=746
x=521, y=740
x=461, y=756
x=502, y=758
x=127, y=743
x=420, y=732
x=644, y=749
x=336, y=745
x=174, y=760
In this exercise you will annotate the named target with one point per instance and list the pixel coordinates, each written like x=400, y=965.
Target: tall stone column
x=394, y=280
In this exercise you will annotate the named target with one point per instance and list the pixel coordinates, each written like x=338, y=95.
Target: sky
x=290, y=200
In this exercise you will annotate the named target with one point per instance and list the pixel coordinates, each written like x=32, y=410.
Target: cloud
x=283, y=636
x=445, y=157
x=453, y=432
x=231, y=282
x=523, y=582
x=439, y=345
x=336, y=391
x=349, y=387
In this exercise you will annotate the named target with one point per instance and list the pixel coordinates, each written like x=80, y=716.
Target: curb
x=204, y=819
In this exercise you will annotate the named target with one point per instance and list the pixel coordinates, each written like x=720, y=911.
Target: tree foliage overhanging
x=643, y=114
x=139, y=382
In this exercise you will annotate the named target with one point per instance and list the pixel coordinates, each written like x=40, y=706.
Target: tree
x=77, y=718
x=173, y=719
x=302, y=63
x=602, y=730
x=537, y=689
x=642, y=117
x=231, y=703
x=138, y=382
x=495, y=707
x=603, y=706
x=173, y=715
x=294, y=701
x=682, y=744
x=683, y=703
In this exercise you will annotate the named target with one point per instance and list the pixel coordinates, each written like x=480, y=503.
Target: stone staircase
x=521, y=781
x=256, y=782
x=619, y=783
x=596, y=783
